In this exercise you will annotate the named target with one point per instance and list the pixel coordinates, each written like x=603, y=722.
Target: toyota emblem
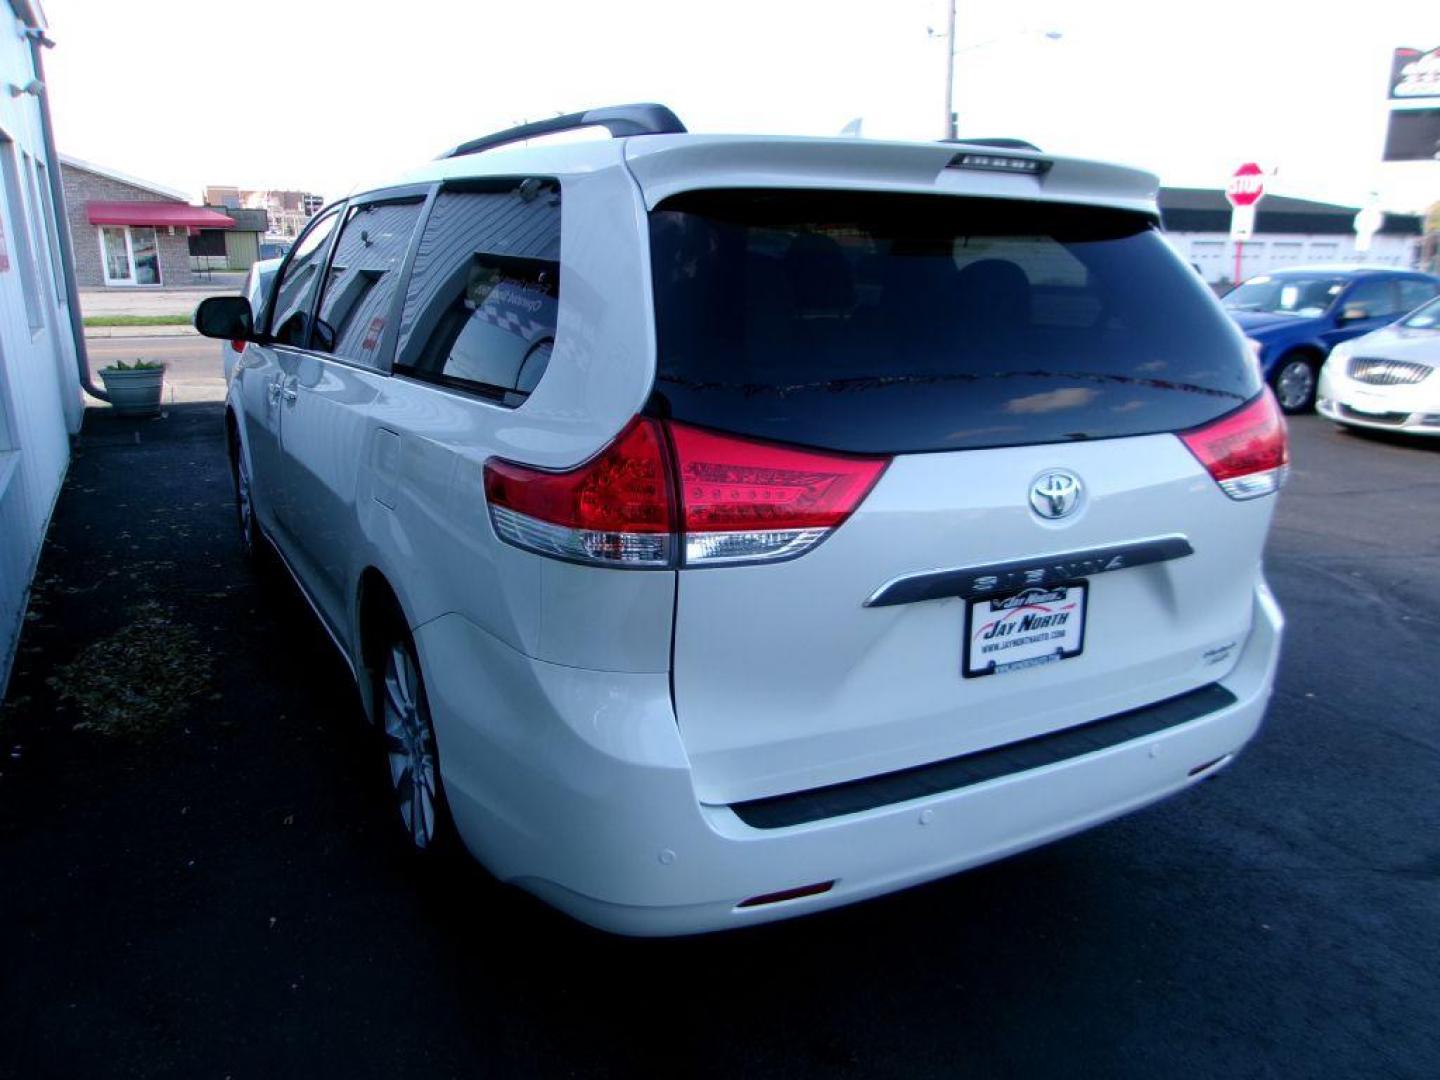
x=1055, y=494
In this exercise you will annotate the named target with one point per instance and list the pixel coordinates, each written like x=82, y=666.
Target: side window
x=363, y=275
x=1375, y=297
x=290, y=319
x=1414, y=292
x=480, y=311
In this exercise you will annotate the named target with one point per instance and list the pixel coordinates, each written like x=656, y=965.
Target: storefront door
x=130, y=255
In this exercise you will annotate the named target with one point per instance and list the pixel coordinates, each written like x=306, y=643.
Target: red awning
x=156, y=213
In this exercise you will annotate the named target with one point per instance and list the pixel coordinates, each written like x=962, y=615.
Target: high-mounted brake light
x=740, y=501
x=1247, y=451
x=999, y=163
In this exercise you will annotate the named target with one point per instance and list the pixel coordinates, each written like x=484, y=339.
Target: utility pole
x=950, y=126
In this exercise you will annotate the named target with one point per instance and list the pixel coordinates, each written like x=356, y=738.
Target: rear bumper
x=574, y=785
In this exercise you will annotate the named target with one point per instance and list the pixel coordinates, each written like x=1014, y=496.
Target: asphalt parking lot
x=226, y=898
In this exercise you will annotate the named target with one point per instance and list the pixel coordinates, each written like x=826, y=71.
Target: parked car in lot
x=1294, y=317
x=1386, y=380
x=722, y=528
x=256, y=290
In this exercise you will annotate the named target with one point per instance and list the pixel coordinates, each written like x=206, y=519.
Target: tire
x=249, y=531
x=411, y=758
x=1294, y=381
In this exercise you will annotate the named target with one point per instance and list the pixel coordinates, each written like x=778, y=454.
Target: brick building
x=128, y=232
x=235, y=248
x=287, y=212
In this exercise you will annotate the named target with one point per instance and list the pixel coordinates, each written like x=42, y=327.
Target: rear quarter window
x=880, y=323
x=482, y=305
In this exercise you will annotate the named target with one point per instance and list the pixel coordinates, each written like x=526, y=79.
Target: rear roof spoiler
x=998, y=143
x=621, y=121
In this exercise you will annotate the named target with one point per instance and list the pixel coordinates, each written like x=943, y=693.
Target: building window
x=1287, y=253
x=20, y=235
x=57, y=270
x=130, y=255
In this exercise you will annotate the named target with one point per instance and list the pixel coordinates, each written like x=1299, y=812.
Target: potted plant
x=134, y=389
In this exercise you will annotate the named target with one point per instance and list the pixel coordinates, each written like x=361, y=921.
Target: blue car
x=1294, y=317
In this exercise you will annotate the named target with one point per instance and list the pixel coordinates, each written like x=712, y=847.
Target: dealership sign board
x=1415, y=74
x=1412, y=132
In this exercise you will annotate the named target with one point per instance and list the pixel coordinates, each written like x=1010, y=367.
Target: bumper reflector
x=787, y=894
x=1206, y=766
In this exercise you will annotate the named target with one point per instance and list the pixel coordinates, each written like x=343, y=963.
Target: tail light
x=617, y=508
x=745, y=501
x=665, y=494
x=1246, y=451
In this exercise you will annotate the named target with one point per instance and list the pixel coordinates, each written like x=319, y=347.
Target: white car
x=723, y=528
x=256, y=291
x=1386, y=380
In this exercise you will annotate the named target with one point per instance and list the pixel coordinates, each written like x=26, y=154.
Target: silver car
x=256, y=290
x=1386, y=380
x=723, y=528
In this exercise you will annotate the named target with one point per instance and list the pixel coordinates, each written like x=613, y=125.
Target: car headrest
x=820, y=276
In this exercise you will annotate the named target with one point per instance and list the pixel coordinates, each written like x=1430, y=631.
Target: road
x=193, y=369
x=228, y=898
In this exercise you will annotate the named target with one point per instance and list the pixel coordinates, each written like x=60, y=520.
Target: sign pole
x=1245, y=189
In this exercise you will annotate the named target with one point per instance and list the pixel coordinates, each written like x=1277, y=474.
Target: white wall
x=1214, y=253
x=40, y=405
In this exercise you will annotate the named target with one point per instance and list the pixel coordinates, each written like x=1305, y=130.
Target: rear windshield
x=880, y=323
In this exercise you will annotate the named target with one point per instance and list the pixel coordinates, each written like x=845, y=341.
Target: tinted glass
x=1425, y=318
x=881, y=323
x=297, y=283
x=1305, y=295
x=1372, y=299
x=361, y=281
x=481, y=309
x=1414, y=292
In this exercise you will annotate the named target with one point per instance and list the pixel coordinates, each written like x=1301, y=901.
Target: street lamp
x=951, y=51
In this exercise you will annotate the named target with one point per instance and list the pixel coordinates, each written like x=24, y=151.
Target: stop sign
x=1246, y=185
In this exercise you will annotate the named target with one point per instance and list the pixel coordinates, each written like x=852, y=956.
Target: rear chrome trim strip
x=1018, y=574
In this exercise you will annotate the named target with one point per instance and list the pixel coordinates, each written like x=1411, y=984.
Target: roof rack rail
x=645, y=118
x=998, y=143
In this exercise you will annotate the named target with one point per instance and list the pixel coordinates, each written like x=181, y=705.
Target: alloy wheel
x=1295, y=386
x=410, y=746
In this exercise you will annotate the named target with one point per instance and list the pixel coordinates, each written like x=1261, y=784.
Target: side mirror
x=226, y=317
x=1353, y=314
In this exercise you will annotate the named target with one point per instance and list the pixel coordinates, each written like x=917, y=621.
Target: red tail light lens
x=746, y=501
x=740, y=500
x=1247, y=452
x=616, y=508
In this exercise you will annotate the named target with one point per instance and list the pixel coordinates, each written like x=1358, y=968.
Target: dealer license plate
x=1024, y=629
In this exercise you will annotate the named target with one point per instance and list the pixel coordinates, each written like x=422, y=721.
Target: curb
x=140, y=331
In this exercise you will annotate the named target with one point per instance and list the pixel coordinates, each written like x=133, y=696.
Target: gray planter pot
x=134, y=393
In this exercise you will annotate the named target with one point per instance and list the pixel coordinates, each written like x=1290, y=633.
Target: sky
x=327, y=96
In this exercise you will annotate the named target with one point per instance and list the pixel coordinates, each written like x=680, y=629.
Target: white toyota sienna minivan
x=725, y=528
